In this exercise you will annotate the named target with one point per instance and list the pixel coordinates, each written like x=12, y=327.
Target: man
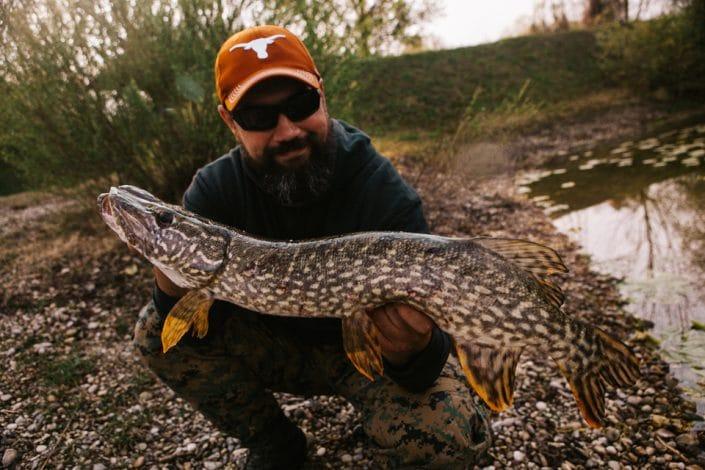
x=298, y=174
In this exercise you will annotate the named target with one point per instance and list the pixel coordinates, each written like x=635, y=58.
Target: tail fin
x=614, y=364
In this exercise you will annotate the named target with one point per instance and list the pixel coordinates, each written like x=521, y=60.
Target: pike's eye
x=164, y=219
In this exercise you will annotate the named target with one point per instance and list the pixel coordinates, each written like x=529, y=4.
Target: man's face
x=293, y=159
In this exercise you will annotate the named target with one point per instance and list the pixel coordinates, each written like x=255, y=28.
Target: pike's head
x=188, y=249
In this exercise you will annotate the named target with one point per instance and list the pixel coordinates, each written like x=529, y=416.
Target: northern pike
x=493, y=296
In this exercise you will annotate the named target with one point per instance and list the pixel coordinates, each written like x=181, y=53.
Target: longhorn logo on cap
x=258, y=45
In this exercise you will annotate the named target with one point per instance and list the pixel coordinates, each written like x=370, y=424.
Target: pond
x=638, y=209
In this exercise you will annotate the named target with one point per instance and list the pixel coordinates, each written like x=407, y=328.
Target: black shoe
x=286, y=452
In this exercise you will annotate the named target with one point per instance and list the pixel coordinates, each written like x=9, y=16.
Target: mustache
x=296, y=143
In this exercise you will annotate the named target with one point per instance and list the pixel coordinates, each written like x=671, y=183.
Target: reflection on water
x=639, y=210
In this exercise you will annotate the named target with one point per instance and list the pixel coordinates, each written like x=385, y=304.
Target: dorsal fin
x=538, y=260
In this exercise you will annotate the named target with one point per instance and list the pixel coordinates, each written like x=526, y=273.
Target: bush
x=121, y=90
x=667, y=52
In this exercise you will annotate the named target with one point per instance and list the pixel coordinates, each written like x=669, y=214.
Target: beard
x=297, y=185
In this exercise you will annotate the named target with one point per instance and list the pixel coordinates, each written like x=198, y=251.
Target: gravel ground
x=72, y=393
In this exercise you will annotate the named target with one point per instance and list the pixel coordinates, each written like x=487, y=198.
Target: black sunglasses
x=297, y=107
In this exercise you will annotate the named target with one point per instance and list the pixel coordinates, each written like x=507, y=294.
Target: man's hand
x=165, y=284
x=405, y=331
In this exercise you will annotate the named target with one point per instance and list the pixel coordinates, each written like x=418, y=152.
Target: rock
x=9, y=457
x=634, y=400
x=190, y=448
x=138, y=462
x=614, y=465
x=41, y=448
x=659, y=420
x=5, y=397
x=346, y=458
x=612, y=434
x=99, y=466
x=518, y=456
x=209, y=465
x=600, y=449
x=686, y=440
x=541, y=406
x=611, y=450
x=664, y=433
x=321, y=451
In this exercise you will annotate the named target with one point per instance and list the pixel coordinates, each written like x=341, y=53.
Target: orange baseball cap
x=254, y=54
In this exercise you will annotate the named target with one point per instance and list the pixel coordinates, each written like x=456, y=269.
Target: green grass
x=432, y=90
x=68, y=371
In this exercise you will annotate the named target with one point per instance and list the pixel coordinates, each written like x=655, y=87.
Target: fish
x=495, y=297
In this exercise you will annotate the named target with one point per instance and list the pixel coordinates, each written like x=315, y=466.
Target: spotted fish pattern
x=493, y=296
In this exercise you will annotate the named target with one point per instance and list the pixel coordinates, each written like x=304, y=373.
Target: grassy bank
x=432, y=90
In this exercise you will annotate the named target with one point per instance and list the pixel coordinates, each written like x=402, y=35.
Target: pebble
x=686, y=440
x=664, y=433
x=138, y=462
x=518, y=456
x=41, y=448
x=99, y=466
x=208, y=465
x=614, y=465
x=541, y=405
x=612, y=434
x=346, y=458
x=9, y=457
x=600, y=449
x=321, y=451
x=634, y=400
x=5, y=397
x=611, y=450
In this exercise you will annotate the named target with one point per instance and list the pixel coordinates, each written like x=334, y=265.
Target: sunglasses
x=297, y=107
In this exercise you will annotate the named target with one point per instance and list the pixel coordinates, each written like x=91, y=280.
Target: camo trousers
x=230, y=375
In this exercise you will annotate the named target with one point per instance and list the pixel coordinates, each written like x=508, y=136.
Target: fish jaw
x=187, y=249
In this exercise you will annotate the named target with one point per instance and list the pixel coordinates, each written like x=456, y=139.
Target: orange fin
x=360, y=339
x=490, y=372
x=191, y=309
x=617, y=366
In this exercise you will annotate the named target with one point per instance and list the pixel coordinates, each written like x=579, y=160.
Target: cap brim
x=239, y=91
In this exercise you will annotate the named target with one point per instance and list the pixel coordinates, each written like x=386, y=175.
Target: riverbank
x=73, y=392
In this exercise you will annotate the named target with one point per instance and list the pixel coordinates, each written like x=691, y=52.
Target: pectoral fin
x=360, y=339
x=191, y=309
x=490, y=372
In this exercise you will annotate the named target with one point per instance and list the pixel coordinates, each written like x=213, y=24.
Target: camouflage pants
x=230, y=375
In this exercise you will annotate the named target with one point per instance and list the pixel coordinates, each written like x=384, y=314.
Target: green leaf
x=189, y=88
x=696, y=325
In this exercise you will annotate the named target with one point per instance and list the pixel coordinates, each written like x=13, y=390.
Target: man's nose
x=286, y=130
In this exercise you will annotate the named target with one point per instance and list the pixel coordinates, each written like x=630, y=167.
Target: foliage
x=66, y=371
x=667, y=52
x=430, y=90
x=359, y=28
x=120, y=88
x=123, y=89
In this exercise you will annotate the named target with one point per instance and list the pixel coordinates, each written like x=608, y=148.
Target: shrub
x=667, y=52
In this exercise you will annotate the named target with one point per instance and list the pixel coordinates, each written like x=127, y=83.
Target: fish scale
x=493, y=296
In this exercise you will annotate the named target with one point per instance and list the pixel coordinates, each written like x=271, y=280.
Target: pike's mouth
x=114, y=219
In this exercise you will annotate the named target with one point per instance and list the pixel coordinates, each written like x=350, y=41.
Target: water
x=639, y=210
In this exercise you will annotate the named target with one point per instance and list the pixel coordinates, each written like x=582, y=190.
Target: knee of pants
x=446, y=430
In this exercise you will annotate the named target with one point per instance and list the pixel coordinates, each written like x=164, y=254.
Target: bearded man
x=298, y=174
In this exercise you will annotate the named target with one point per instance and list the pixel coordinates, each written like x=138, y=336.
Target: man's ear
x=228, y=120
